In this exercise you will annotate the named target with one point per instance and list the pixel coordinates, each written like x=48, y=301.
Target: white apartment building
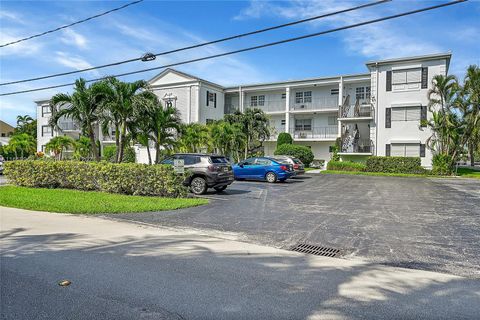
x=378, y=112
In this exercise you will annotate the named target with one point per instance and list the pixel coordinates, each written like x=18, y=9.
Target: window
x=210, y=121
x=332, y=120
x=407, y=76
x=405, y=150
x=360, y=93
x=284, y=96
x=282, y=122
x=168, y=161
x=211, y=99
x=367, y=93
x=46, y=131
x=303, y=124
x=263, y=162
x=46, y=110
x=261, y=100
x=334, y=91
x=253, y=101
x=190, y=160
x=406, y=114
x=249, y=162
x=303, y=97
x=3, y=134
x=44, y=148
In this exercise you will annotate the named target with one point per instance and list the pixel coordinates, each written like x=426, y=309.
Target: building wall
x=42, y=120
x=183, y=97
x=213, y=112
x=408, y=130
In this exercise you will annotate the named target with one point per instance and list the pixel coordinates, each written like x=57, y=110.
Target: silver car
x=298, y=165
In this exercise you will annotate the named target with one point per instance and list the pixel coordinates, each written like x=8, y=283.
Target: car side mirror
x=240, y=165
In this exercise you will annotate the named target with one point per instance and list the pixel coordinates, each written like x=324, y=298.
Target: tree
x=471, y=92
x=303, y=153
x=23, y=143
x=82, y=148
x=284, y=138
x=118, y=106
x=141, y=127
x=228, y=139
x=82, y=107
x=58, y=145
x=26, y=124
x=194, y=137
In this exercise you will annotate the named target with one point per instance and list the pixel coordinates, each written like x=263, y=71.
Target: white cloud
x=73, y=61
x=4, y=15
x=26, y=48
x=74, y=38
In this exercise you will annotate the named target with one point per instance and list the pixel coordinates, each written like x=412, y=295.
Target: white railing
x=315, y=104
x=315, y=133
x=268, y=105
x=68, y=126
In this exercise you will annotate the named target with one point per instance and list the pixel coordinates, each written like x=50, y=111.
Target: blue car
x=263, y=168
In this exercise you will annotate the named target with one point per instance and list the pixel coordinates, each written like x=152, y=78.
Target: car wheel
x=220, y=189
x=271, y=177
x=198, y=185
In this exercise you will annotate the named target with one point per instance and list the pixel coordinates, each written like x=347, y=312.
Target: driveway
x=3, y=180
x=430, y=224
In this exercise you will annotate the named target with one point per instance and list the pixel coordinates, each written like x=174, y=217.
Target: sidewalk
x=121, y=270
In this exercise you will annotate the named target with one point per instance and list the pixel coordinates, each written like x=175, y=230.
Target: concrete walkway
x=122, y=270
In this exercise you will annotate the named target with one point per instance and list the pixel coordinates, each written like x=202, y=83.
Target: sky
x=156, y=26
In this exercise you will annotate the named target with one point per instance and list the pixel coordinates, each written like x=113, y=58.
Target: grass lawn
x=468, y=173
x=89, y=202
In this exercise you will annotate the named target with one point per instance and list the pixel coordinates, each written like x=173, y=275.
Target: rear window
x=219, y=160
x=297, y=161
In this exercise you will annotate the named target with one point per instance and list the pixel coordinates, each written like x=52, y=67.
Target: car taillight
x=296, y=166
x=284, y=168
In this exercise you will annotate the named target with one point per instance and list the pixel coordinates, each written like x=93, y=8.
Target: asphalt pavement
x=121, y=270
x=420, y=223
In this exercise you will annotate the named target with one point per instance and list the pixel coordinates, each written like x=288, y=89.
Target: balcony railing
x=352, y=145
x=315, y=133
x=315, y=104
x=68, y=126
x=268, y=105
x=357, y=111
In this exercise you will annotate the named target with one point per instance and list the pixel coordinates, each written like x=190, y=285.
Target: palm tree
x=118, y=105
x=22, y=142
x=194, y=137
x=23, y=120
x=141, y=125
x=82, y=107
x=82, y=148
x=228, y=139
x=58, y=145
x=471, y=90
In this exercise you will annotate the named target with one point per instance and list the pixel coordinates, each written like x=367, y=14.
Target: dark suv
x=207, y=171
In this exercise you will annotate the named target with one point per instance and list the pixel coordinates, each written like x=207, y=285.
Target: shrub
x=395, y=165
x=126, y=178
x=110, y=152
x=345, y=166
x=301, y=152
x=284, y=138
x=441, y=164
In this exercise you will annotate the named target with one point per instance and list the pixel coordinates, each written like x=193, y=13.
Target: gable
x=170, y=76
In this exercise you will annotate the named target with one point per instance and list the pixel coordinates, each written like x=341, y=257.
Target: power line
x=252, y=48
x=71, y=24
x=202, y=44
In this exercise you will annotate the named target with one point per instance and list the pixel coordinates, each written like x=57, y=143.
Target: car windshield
x=219, y=160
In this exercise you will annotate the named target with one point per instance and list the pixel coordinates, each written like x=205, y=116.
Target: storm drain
x=316, y=250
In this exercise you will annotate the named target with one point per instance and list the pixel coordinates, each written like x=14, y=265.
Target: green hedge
x=125, y=178
x=345, y=166
x=303, y=153
x=395, y=165
x=284, y=138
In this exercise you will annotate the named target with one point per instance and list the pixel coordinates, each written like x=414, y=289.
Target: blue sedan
x=263, y=168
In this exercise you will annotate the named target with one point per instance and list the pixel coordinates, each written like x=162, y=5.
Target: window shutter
x=423, y=116
x=387, y=150
x=388, y=117
x=425, y=78
x=215, y=100
x=389, y=80
x=208, y=93
x=422, y=150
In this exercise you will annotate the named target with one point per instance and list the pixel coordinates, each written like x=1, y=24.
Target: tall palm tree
x=82, y=107
x=141, y=125
x=23, y=120
x=82, y=148
x=22, y=142
x=119, y=105
x=471, y=90
x=58, y=145
x=194, y=137
x=228, y=138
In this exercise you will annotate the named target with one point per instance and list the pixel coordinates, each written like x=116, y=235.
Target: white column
x=240, y=99
x=340, y=102
x=287, y=109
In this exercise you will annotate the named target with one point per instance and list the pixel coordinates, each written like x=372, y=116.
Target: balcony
x=352, y=146
x=268, y=105
x=319, y=104
x=68, y=126
x=363, y=111
x=320, y=133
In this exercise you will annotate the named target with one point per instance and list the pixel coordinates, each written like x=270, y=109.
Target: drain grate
x=316, y=250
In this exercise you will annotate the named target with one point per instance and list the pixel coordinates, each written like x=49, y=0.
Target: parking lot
x=430, y=224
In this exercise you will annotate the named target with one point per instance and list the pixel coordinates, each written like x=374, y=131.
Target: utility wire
x=71, y=24
x=202, y=44
x=252, y=48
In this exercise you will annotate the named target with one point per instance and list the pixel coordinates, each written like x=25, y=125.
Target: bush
x=126, y=178
x=301, y=152
x=345, y=166
x=110, y=152
x=441, y=164
x=284, y=138
x=395, y=165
